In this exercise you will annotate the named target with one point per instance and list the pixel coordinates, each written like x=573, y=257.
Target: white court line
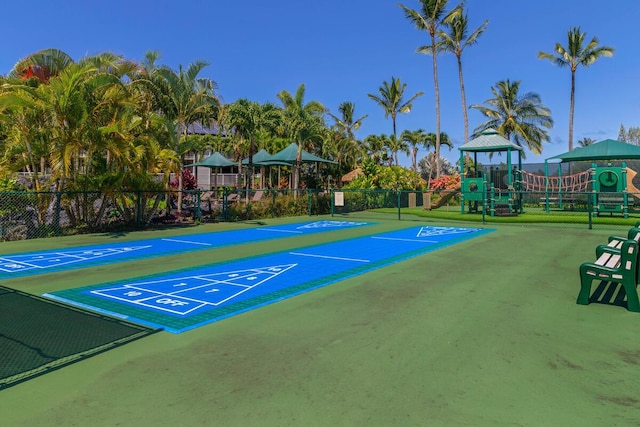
x=76, y=257
x=20, y=263
x=281, y=231
x=143, y=301
x=405, y=240
x=329, y=257
x=187, y=241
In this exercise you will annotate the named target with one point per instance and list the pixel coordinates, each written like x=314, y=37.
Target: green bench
x=633, y=234
x=613, y=264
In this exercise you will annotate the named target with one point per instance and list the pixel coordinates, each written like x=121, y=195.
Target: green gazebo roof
x=216, y=160
x=290, y=155
x=490, y=141
x=260, y=157
x=609, y=149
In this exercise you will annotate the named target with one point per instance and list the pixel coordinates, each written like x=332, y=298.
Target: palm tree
x=430, y=18
x=346, y=123
x=396, y=145
x=248, y=119
x=455, y=40
x=82, y=119
x=342, y=139
x=303, y=122
x=521, y=118
x=347, y=152
x=184, y=98
x=429, y=142
x=376, y=148
x=414, y=139
x=42, y=65
x=573, y=55
x=392, y=101
x=584, y=142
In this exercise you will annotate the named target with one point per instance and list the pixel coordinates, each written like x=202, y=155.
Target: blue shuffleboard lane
x=186, y=299
x=31, y=263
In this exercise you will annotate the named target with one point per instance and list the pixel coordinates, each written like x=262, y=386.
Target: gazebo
x=215, y=162
x=498, y=191
x=289, y=156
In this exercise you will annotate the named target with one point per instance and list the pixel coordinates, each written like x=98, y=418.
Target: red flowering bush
x=189, y=181
x=445, y=182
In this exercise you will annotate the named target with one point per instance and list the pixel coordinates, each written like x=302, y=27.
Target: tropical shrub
x=189, y=181
x=387, y=178
x=445, y=182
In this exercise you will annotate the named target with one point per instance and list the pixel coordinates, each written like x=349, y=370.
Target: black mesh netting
x=38, y=335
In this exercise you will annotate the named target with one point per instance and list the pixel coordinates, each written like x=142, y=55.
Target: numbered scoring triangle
x=441, y=231
x=184, y=295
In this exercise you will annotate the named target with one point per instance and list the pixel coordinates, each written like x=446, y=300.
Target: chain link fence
x=586, y=208
x=29, y=215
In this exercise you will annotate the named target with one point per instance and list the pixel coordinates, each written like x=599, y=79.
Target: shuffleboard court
x=31, y=263
x=186, y=299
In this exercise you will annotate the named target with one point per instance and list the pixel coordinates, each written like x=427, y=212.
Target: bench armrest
x=600, y=249
x=616, y=238
x=594, y=266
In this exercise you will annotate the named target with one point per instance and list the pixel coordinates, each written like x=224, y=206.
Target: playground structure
x=496, y=193
x=609, y=193
x=611, y=182
x=557, y=190
x=603, y=187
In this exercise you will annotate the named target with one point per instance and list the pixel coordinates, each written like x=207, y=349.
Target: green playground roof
x=489, y=141
x=609, y=149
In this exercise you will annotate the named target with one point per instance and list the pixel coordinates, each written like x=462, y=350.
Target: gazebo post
x=520, y=175
x=462, y=177
x=509, y=181
x=546, y=185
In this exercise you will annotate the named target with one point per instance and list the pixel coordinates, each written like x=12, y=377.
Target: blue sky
x=343, y=50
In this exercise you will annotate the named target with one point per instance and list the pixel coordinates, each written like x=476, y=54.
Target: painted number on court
x=171, y=302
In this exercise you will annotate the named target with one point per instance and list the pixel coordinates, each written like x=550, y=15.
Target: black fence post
x=56, y=219
x=198, y=214
x=589, y=209
x=138, y=208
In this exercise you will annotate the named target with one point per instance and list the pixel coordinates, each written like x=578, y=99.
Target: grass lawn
x=530, y=215
x=482, y=333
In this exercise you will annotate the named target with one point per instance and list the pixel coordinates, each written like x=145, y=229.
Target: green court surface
x=483, y=333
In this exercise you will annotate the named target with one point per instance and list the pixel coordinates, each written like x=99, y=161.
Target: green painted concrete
x=482, y=333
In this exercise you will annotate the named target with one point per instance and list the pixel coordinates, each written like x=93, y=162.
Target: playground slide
x=635, y=192
x=445, y=196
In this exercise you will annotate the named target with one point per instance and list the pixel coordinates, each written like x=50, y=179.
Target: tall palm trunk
x=437, y=93
x=465, y=115
x=571, y=105
x=464, y=102
x=414, y=158
x=180, y=183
